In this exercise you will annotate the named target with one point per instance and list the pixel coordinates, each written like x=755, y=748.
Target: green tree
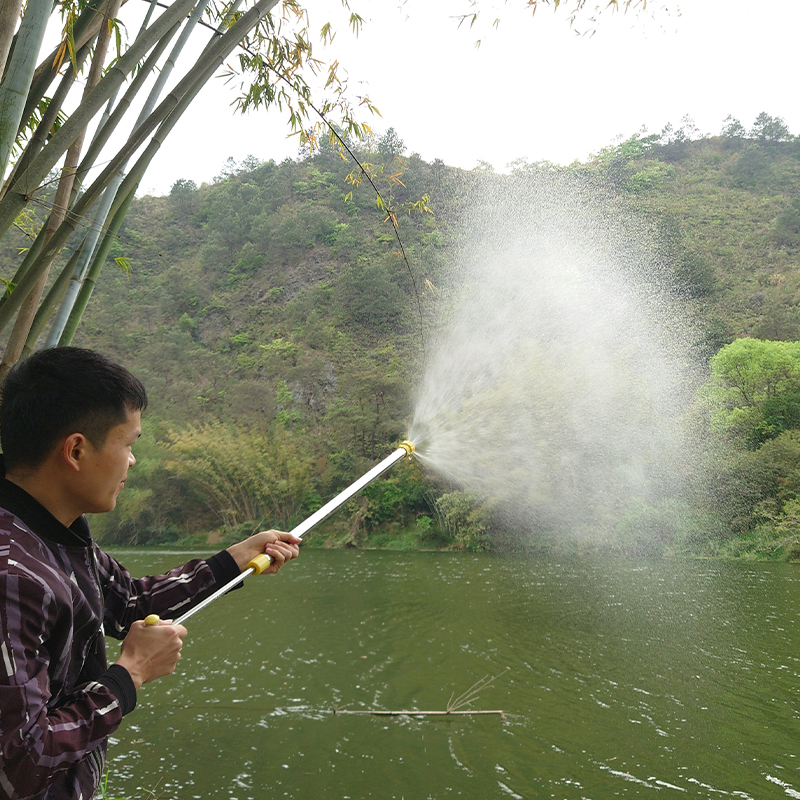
x=183, y=197
x=466, y=519
x=754, y=389
x=733, y=128
x=770, y=129
x=753, y=168
x=390, y=145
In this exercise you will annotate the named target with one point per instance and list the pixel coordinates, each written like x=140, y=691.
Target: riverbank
x=763, y=544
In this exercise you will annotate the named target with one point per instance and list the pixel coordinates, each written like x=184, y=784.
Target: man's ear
x=73, y=451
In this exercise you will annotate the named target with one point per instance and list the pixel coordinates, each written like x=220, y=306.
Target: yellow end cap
x=152, y=619
x=408, y=447
x=259, y=563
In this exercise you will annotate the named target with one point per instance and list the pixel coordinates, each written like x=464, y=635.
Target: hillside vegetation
x=278, y=326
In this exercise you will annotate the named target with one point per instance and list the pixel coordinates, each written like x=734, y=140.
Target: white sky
x=534, y=89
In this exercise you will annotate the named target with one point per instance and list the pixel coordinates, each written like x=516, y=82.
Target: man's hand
x=151, y=651
x=279, y=546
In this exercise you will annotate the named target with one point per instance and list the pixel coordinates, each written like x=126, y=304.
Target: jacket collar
x=18, y=502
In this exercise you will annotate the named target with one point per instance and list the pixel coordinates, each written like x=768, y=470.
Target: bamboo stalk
x=86, y=289
x=113, y=116
x=121, y=186
x=19, y=74
x=51, y=300
x=9, y=16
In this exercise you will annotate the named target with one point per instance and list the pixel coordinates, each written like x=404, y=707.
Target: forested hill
x=276, y=322
x=732, y=205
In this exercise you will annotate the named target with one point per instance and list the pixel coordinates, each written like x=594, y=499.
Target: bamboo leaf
x=356, y=22
x=124, y=264
x=60, y=54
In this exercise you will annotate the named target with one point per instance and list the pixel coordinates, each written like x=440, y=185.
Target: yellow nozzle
x=259, y=564
x=408, y=447
x=152, y=619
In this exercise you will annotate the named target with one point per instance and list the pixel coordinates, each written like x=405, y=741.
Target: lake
x=619, y=679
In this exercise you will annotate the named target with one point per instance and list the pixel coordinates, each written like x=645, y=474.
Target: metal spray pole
x=261, y=562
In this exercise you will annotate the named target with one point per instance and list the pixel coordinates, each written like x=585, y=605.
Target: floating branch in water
x=454, y=705
x=376, y=713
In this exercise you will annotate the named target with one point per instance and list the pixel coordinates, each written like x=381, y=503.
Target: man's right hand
x=151, y=651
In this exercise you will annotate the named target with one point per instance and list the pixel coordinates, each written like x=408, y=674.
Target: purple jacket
x=59, y=593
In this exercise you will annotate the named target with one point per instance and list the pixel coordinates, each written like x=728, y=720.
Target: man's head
x=59, y=392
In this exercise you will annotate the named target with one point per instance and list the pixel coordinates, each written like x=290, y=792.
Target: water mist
x=559, y=373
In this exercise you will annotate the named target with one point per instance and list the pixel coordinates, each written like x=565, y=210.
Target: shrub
x=466, y=519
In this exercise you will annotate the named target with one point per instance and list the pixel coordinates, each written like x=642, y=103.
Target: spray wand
x=261, y=562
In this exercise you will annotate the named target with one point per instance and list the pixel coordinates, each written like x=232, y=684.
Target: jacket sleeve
x=37, y=743
x=128, y=599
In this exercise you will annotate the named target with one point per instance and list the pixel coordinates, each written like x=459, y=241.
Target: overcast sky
x=533, y=89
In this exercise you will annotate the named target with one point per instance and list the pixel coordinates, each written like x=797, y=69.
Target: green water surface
x=647, y=679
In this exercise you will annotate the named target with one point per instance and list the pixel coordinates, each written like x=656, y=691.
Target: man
x=68, y=421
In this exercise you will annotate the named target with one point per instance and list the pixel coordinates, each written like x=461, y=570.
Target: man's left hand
x=279, y=546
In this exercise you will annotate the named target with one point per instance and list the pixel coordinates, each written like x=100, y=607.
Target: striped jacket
x=59, y=593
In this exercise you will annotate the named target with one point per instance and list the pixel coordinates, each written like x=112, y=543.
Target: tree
x=674, y=141
x=754, y=390
x=770, y=129
x=732, y=128
x=183, y=196
x=390, y=145
x=466, y=519
x=370, y=296
x=688, y=131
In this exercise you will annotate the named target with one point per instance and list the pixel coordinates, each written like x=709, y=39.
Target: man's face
x=105, y=469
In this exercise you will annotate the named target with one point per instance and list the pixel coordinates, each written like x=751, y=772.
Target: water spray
x=262, y=562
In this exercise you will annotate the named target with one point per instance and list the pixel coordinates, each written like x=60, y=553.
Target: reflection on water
x=625, y=679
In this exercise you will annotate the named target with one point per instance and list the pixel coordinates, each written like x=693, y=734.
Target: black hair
x=60, y=391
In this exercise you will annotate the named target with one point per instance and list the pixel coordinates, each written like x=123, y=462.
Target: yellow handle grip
x=152, y=619
x=259, y=564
